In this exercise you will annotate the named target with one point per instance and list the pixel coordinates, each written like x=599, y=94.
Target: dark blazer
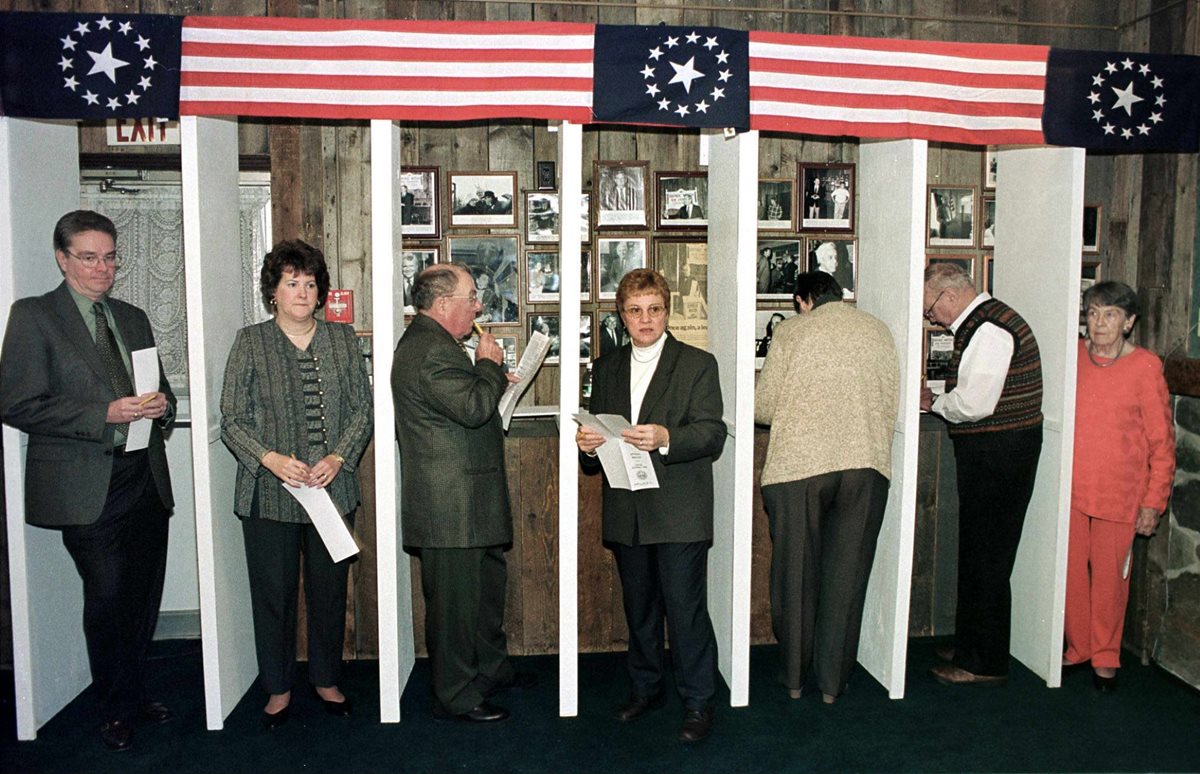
x=455, y=491
x=684, y=396
x=54, y=387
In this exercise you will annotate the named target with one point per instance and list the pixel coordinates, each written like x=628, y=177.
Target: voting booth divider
x=1039, y=209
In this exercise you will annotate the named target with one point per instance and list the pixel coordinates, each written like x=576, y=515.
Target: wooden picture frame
x=546, y=177
x=681, y=200
x=414, y=259
x=620, y=200
x=684, y=264
x=777, y=263
x=420, y=203
x=765, y=321
x=950, y=216
x=777, y=204
x=610, y=332
x=616, y=256
x=549, y=324
x=482, y=199
x=835, y=255
x=542, y=217
x=1092, y=214
x=543, y=272
x=826, y=197
x=492, y=261
x=987, y=222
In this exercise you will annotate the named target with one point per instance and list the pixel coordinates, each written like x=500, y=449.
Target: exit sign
x=142, y=131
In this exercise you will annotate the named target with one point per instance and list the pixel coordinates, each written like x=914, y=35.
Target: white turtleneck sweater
x=643, y=362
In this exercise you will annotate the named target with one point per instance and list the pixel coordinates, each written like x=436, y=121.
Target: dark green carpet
x=1151, y=724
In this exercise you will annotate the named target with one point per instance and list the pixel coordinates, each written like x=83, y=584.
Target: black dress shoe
x=638, y=706
x=117, y=735
x=273, y=721
x=155, y=712
x=1104, y=684
x=486, y=712
x=697, y=725
x=339, y=709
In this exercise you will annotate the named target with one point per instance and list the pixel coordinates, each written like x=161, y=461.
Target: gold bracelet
x=341, y=460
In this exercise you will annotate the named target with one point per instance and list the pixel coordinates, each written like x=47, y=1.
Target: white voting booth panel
x=891, y=204
x=1039, y=215
x=732, y=237
x=39, y=182
x=397, y=651
x=210, y=236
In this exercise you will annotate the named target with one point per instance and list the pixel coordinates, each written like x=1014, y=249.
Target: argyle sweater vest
x=1020, y=404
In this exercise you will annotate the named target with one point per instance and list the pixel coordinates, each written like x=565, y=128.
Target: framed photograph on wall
x=413, y=260
x=492, y=261
x=620, y=188
x=684, y=264
x=616, y=257
x=508, y=343
x=420, y=215
x=826, y=197
x=548, y=323
x=682, y=199
x=951, y=216
x=837, y=256
x=939, y=348
x=541, y=216
x=545, y=175
x=776, y=204
x=483, y=199
x=964, y=262
x=610, y=332
x=989, y=168
x=779, y=261
x=1091, y=229
x=585, y=217
x=543, y=276
x=987, y=214
x=765, y=321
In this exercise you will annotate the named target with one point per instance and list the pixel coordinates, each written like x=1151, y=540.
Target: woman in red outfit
x=1124, y=466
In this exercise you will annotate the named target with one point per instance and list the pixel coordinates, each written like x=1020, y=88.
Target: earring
x=272, y=302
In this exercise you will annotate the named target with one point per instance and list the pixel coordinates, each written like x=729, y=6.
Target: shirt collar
x=979, y=299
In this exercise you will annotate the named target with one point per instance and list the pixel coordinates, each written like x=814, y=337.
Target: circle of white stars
x=104, y=63
x=1125, y=98
x=685, y=74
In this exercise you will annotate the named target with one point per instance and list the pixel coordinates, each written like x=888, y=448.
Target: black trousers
x=273, y=551
x=669, y=580
x=464, y=592
x=823, y=535
x=996, y=473
x=122, y=559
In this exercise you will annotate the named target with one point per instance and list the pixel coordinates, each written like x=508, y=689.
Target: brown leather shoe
x=948, y=674
x=117, y=735
x=638, y=706
x=697, y=725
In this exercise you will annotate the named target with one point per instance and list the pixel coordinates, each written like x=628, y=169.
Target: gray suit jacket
x=684, y=396
x=455, y=491
x=53, y=386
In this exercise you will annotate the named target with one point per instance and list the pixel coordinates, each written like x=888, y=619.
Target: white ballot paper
x=531, y=361
x=626, y=466
x=145, y=379
x=333, y=531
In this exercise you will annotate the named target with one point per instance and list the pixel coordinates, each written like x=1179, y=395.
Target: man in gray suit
x=65, y=379
x=455, y=509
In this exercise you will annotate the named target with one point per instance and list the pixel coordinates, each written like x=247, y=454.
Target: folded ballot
x=625, y=465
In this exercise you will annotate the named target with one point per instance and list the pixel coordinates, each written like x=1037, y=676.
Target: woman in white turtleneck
x=660, y=537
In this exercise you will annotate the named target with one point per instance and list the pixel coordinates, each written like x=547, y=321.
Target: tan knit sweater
x=829, y=390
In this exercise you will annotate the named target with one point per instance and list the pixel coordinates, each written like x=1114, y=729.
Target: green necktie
x=106, y=345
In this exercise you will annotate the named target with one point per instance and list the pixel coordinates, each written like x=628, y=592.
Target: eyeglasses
x=654, y=310
x=91, y=260
x=929, y=309
x=472, y=297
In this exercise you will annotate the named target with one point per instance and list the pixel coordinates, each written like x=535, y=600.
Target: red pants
x=1096, y=591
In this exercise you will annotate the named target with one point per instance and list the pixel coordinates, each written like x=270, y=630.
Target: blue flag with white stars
x=1113, y=101
x=673, y=76
x=89, y=65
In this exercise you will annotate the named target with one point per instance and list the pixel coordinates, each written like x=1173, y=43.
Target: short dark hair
x=643, y=281
x=299, y=257
x=1112, y=293
x=437, y=281
x=77, y=222
x=817, y=287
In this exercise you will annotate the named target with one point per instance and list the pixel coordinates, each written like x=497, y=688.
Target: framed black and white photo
x=826, y=197
x=414, y=260
x=611, y=334
x=765, y=321
x=837, y=256
x=682, y=200
x=545, y=176
x=509, y=345
x=483, y=199
x=419, y=202
x=621, y=200
x=987, y=214
x=989, y=168
x=684, y=264
x=548, y=323
x=492, y=261
x=964, y=262
x=541, y=216
x=1091, y=229
x=616, y=257
x=939, y=348
x=951, y=216
x=585, y=217
x=543, y=276
x=779, y=261
x=776, y=204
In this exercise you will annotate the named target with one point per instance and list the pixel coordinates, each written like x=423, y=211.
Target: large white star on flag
x=1126, y=99
x=685, y=74
x=106, y=63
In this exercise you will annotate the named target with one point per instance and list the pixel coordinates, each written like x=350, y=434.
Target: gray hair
x=435, y=282
x=942, y=276
x=1111, y=293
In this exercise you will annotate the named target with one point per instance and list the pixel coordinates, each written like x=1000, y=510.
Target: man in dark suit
x=455, y=509
x=661, y=537
x=65, y=379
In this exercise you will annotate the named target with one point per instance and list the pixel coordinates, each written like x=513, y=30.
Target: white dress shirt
x=982, y=371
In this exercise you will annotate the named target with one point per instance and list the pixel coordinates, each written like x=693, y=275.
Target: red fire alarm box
x=339, y=306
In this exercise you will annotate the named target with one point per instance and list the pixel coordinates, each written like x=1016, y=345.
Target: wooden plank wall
x=320, y=193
